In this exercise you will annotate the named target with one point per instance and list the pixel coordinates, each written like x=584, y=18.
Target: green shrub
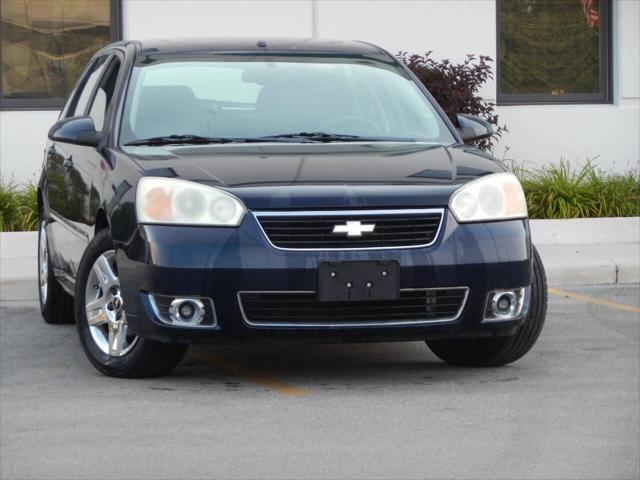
x=456, y=87
x=18, y=207
x=558, y=191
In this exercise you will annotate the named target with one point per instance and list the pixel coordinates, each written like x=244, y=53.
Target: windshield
x=252, y=97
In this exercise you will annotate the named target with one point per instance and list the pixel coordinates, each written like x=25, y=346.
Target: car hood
x=277, y=176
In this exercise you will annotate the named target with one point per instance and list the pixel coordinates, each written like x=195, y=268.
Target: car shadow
x=345, y=366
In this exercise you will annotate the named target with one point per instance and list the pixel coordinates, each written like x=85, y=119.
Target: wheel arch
x=102, y=222
x=40, y=200
x=41, y=192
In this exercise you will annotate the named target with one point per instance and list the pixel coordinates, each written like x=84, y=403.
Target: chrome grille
x=414, y=306
x=315, y=230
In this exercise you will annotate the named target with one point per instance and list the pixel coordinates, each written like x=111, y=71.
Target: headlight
x=494, y=197
x=168, y=200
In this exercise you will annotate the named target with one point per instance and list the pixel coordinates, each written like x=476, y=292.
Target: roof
x=280, y=45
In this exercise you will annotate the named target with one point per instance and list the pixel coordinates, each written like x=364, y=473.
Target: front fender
x=115, y=184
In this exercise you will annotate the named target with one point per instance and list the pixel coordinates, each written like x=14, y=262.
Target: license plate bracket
x=358, y=281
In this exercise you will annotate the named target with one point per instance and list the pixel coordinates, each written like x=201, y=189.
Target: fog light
x=186, y=311
x=506, y=304
x=192, y=312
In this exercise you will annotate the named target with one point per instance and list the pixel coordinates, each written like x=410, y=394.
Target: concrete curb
x=575, y=252
x=586, y=231
x=18, y=255
x=589, y=251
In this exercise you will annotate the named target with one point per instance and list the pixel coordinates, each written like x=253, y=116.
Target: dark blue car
x=277, y=191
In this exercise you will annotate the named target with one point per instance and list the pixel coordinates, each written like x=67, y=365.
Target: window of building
x=554, y=51
x=46, y=44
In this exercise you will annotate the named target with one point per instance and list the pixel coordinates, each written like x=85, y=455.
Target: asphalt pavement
x=569, y=409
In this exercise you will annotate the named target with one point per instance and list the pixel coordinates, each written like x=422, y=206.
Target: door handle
x=68, y=163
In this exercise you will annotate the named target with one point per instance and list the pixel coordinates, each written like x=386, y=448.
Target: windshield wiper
x=334, y=137
x=200, y=140
x=312, y=137
x=181, y=139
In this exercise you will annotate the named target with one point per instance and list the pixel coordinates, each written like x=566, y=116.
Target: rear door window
x=84, y=95
x=101, y=102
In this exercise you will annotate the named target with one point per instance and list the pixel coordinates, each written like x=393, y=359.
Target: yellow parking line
x=593, y=300
x=261, y=379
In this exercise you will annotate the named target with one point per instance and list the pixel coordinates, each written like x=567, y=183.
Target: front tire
x=493, y=352
x=56, y=305
x=102, y=324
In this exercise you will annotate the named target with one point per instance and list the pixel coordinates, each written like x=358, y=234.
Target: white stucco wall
x=451, y=28
x=217, y=18
x=23, y=136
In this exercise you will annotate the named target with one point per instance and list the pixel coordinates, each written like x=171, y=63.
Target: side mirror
x=77, y=130
x=472, y=128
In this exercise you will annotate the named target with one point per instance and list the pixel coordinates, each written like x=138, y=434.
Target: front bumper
x=220, y=262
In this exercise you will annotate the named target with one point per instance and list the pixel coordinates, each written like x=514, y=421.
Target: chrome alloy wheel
x=43, y=264
x=104, y=308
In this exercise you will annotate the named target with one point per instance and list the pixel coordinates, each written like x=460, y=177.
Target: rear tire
x=56, y=305
x=129, y=357
x=492, y=352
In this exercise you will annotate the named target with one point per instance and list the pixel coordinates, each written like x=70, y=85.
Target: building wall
x=537, y=134
x=23, y=136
